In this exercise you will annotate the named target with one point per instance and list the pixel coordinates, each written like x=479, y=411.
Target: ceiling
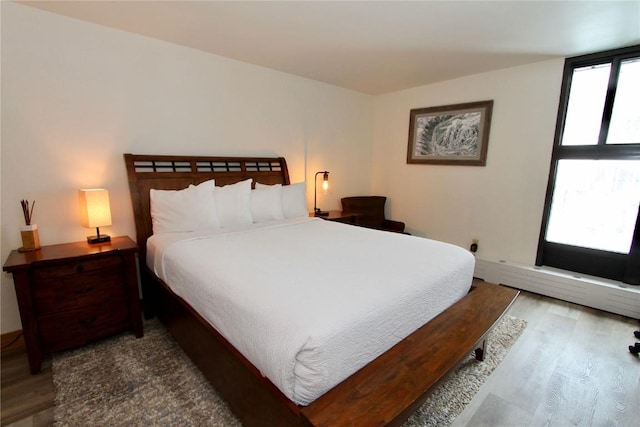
x=374, y=47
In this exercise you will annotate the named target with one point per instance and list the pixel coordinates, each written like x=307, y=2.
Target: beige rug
x=124, y=381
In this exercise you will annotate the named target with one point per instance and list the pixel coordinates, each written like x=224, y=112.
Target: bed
x=381, y=389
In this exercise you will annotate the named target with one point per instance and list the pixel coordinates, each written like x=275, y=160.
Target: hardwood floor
x=571, y=366
x=26, y=400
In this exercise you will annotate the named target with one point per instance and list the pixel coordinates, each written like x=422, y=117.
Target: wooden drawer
x=76, y=266
x=80, y=326
x=68, y=292
x=73, y=293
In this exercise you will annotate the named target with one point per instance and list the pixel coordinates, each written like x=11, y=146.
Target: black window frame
x=610, y=265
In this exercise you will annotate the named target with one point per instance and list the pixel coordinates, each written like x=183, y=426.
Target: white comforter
x=309, y=301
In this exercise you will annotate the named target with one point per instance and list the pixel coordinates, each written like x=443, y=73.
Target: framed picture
x=450, y=134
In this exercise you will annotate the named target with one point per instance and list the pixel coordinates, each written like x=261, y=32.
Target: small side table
x=340, y=216
x=74, y=293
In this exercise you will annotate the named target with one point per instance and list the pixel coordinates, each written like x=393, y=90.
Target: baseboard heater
x=608, y=295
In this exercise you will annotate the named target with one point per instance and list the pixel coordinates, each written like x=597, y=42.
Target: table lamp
x=325, y=186
x=96, y=212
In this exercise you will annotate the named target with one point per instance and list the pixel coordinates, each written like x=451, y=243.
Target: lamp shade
x=95, y=208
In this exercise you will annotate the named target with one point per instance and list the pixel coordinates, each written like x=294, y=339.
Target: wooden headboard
x=177, y=172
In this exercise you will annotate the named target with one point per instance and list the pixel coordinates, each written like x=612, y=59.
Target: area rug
x=124, y=381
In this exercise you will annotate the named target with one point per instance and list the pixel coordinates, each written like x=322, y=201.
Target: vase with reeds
x=29, y=232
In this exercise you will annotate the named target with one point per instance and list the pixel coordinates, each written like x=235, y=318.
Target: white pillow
x=294, y=199
x=184, y=210
x=233, y=203
x=204, y=204
x=266, y=203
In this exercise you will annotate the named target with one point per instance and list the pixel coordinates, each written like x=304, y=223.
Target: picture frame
x=450, y=134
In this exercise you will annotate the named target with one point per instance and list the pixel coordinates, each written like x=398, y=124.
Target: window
x=591, y=221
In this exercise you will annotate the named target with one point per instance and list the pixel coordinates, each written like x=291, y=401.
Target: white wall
x=500, y=204
x=76, y=96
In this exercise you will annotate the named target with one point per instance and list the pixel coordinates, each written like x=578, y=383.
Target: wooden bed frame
x=385, y=392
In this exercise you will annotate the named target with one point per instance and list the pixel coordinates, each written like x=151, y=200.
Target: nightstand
x=74, y=293
x=339, y=216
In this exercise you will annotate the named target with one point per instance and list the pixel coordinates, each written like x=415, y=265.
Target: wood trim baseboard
x=12, y=341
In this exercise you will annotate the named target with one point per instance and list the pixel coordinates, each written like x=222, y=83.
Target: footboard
x=393, y=386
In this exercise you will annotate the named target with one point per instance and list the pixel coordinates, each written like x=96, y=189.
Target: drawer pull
x=83, y=291
x=88, y=321
x=80, y=268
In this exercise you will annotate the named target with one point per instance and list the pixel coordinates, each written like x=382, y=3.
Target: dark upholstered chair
x=370, y=210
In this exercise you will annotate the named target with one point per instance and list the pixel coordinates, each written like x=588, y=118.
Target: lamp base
x=99, y=239
x=321, y=213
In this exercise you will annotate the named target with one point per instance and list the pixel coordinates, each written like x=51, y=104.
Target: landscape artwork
x=450, y=134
